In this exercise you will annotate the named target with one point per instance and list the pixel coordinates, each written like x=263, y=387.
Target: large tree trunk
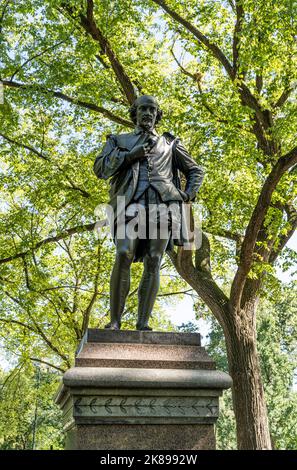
x=239, y=327
x=248, y=394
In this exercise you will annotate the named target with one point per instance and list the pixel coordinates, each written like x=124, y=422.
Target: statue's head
x=145, y=111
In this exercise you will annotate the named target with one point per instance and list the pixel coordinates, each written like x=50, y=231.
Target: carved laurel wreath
x=170, y=406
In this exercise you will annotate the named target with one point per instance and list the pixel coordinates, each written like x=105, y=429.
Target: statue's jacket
x=168, y=158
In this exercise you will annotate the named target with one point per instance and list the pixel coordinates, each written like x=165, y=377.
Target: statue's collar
x=138, y=130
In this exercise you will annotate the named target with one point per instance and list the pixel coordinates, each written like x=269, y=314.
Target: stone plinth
x=141, y=390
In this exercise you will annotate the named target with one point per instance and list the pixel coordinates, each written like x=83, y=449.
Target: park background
x=225, y=76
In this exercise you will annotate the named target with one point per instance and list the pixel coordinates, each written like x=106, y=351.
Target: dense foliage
x=225, y=75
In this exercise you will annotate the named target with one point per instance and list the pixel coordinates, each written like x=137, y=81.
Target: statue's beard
x=147, y=122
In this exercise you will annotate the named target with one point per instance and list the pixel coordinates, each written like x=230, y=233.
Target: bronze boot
x=142, y=322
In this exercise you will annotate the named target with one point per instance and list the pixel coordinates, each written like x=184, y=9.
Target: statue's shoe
x=113, y=326
x=143, y=328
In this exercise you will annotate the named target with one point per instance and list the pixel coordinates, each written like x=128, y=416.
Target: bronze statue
x=144, y=168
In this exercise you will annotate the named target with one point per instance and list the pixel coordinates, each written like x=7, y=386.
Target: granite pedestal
x=141, y=390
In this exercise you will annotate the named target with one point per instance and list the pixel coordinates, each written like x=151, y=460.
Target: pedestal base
x=154, y=391
x=141, y=437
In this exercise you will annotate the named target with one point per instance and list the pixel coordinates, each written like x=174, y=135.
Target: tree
x=276, y=335
x=64, y=65
x=29, y=420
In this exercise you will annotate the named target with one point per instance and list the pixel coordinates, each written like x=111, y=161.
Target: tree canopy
x=225, y=75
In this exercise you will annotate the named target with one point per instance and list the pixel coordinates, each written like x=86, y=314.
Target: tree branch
x=259, y=82
x=3, y=14
x=65, y=234
x=196, y=77
x=228, y=234
x=19, y=323
x=246, y=257
x=236, y=35
x=72, y=186
x=221, y=232
x=247, y=98
x=35, y=359
x=25, y=146
x=231, y=3
x=35, y=56
x=176, y=293
x=200, y=279
x=37, y=330
x=283, y=97
x=212, y=47
x=58, y=94
x=89, y=24
x=283, y=240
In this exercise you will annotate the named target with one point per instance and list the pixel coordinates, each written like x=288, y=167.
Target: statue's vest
x=156, y=171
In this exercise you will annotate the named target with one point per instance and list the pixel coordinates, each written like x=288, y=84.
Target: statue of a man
x=144, y=169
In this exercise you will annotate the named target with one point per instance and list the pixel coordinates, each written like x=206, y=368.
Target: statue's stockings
x=149, y=284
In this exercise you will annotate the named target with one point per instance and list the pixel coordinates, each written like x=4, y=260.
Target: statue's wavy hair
x=133, y=109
